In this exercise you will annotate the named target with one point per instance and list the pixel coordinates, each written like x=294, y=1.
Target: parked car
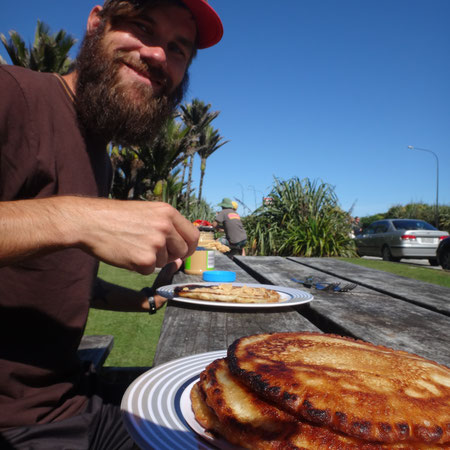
x=443, y=253
x=394, y=239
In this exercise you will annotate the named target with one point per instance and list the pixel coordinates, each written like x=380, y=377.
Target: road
x=412, y=262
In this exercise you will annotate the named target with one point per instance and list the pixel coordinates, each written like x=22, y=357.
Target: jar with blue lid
x=221, y=276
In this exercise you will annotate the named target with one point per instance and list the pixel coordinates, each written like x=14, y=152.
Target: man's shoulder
x=227, y=213
x=20, y=72
x=24, y=77
x=220, y=215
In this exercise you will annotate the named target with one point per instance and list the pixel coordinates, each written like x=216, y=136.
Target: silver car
x=394, y=239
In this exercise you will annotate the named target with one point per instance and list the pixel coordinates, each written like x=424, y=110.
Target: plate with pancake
x=156, y=406
x=292, y=390
x=235, y=295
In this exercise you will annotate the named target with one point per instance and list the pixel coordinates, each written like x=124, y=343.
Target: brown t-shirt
x=44, y=301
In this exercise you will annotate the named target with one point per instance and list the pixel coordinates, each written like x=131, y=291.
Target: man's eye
x=176, y=49
x=142, y=26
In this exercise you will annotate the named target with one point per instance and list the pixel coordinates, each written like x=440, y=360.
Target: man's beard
x=124, y=113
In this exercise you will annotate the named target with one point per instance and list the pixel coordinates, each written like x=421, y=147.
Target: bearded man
x=56, y=223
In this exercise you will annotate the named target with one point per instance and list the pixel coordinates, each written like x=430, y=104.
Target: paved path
x=412, y=262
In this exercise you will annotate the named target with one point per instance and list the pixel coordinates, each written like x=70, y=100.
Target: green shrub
x=421, y=211
x=303, y=219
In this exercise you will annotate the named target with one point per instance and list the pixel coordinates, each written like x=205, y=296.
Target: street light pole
x=436, y=213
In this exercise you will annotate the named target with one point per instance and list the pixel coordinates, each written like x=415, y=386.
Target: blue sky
x=331, y=90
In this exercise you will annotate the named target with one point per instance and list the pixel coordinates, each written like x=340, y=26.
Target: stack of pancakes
x=321, y=391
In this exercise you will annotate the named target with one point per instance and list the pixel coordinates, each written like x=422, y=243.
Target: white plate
x=156, y=406
x=290, y=296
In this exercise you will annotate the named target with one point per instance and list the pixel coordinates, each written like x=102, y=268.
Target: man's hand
x=134, y=235
x=164, y=278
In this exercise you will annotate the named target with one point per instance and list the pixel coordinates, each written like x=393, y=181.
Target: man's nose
x=154, y=54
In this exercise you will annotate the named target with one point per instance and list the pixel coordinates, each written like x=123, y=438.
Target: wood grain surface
x=363, y=313
x=384, y=309
x=191, y=329
x=428, y=295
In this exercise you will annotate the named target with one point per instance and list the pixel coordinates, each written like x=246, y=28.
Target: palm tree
x=164, y=155
x=142, y=172
x=196, y=116
x=171, y=188
x=210, y=141
x=126, y=166
x=49, y=53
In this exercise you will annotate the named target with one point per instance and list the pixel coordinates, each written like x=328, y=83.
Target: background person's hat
x=235, y=205
x=226, y=203
x=209, y=25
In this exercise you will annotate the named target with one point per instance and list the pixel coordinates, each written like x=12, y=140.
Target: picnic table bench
x=95, y=349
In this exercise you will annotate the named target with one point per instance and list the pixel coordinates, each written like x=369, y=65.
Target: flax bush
x=303, y=219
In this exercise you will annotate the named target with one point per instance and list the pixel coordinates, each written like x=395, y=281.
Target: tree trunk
x=202, y=174
x=188, y=186
x=183, y=174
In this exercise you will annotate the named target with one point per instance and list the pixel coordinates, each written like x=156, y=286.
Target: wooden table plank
x=191, y=329
x=431, y=296
x=362, y=313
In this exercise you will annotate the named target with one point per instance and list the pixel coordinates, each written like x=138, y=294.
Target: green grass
x=135, y=334
x=426, y=274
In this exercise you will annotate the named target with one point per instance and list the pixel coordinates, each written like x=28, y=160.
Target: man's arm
x=134, y=235
x=117, y=298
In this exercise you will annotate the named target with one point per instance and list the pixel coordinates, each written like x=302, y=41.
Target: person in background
x=356, y=226
x=57, y=222
x=229, y=220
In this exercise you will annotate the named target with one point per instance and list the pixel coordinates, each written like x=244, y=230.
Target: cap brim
x=209, y=25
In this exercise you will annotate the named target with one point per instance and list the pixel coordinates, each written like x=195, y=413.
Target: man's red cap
x=209, y=25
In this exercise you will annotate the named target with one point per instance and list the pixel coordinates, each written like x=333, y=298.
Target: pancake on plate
x=226, y=292
x=354, y=387
x=225, y=406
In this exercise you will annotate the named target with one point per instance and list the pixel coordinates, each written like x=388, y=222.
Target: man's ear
x=94, y=19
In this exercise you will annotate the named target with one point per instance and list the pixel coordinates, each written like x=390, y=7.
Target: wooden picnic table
x=384, y=309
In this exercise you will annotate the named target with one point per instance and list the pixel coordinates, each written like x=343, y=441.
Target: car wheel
x=386, y=253
x=445, y=260
x=433, y=262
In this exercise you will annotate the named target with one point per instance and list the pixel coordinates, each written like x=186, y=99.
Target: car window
x=382, y=227
x=412, y=225
x=369, y=230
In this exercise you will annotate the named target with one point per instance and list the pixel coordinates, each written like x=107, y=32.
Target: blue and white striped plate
x=289, y=296
x=156, y=407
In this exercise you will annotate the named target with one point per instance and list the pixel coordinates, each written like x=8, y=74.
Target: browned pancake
x=226, y=292
x=222, y=404
x=360, y=389
x=234, y=404
x=204, y=415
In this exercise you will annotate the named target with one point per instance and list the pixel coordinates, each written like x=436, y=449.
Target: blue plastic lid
x=219, y=275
